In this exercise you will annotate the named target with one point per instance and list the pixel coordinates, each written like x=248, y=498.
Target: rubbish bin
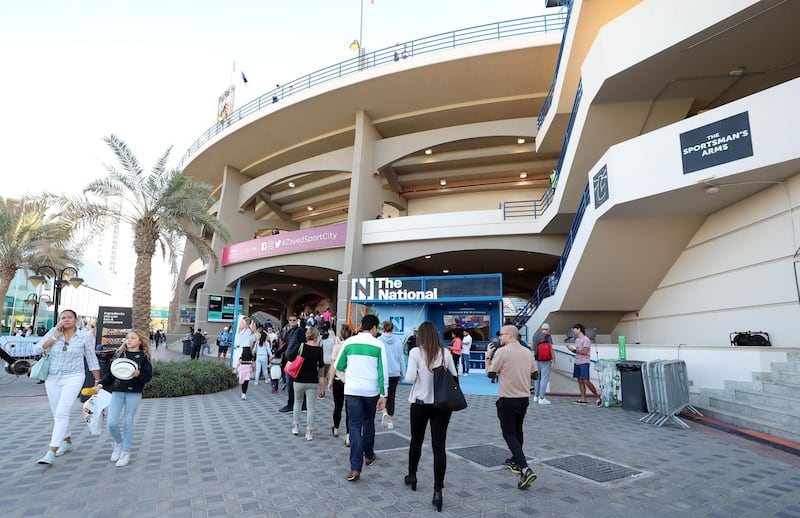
x=187, y=347
x=632, y=385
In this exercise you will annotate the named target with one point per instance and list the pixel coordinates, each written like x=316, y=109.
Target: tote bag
x=293, y=367
x=447, y=393
x=42, y=368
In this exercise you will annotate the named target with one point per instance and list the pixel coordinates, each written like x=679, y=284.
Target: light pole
x=59, y=278
x=358, y=45
x=34, y=300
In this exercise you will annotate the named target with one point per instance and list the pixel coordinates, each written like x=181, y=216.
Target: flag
x=244, y=78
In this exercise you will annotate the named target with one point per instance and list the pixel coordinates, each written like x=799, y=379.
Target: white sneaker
x=466, y=374
x=116, y=453
x=124, y=459
x=244, y=396
x=535, y=399
x=48, y=458
x=390, y=426
x=543, y=401
x=256, y=383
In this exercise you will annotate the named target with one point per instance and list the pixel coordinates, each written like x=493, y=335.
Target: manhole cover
x=390, y=441
x=592, y=468
x=487, y=455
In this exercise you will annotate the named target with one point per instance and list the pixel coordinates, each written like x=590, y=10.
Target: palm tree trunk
x=6, y=278
x=141, y=291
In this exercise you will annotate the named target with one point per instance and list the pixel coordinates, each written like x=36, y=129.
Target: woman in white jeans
x=67, y=347
x=262, y=354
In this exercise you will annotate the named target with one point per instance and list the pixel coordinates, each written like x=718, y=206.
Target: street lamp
x=66, y=275
x=358, y=45
x=34, y=300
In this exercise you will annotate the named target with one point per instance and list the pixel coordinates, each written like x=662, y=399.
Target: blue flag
x=244, y=78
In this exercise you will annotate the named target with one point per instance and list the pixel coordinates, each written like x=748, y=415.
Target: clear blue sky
x=151, y=71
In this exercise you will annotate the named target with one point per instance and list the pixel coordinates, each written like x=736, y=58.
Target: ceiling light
x=281, y=270
x=309, y=208
x=442, y=182
x=294, y=285
x=274, y=289
x=428, y=151
x=712, y=189
x=520, y=141
x=523, y=174
x=330, y=279
x=736, y=72
x=292, y=184
x=520, y=268
x=427, y=257
x=445, y=271
x=262, y=298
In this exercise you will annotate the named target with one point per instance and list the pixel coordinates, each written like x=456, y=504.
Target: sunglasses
x=66, y=344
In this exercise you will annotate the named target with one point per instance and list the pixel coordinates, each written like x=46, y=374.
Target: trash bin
x=632, y=385
x=187, y=347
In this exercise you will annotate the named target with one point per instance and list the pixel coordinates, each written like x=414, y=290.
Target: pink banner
x=329, y=236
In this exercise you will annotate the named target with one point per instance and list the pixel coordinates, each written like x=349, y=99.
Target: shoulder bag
x=293, y=367
x=42, y=368
x=447, y=393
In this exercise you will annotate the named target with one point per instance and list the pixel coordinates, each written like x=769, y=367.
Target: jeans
x=440, y=419
x=310, y=390
x=465, y=362
x=62, y=391
x=338, y=403
x=262, y=367
x=511, y=412
x=361, y=418
x=130, y=400
x=390, y=396
x=540, y=385
x=205, y=347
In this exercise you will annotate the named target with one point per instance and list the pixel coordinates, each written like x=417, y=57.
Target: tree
x=30, y=237
x=163, y=207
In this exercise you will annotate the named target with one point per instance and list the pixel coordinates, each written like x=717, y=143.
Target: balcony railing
x=527, y=208
x=401, y=51
x=549, y=99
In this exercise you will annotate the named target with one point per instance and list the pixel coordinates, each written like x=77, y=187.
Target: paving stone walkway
x=217, y=455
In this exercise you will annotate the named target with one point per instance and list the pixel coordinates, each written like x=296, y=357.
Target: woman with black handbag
x=422, y=360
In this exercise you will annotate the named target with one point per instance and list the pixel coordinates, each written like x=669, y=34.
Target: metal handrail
x=448, y=40
x=527, y=208
x=549, y=99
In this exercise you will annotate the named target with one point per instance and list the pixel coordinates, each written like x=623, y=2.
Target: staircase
x=769, y=404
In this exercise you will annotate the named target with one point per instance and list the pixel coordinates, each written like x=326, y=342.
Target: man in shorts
x=580, y=371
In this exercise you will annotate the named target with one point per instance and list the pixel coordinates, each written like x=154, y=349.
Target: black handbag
x=447, y=393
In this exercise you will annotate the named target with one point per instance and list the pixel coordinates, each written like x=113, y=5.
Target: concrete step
x=761, y=398
x=751, y=423
x=781, y=389
x=785, y=377
x=791, y=367
x=785, y=418
x=793, y=356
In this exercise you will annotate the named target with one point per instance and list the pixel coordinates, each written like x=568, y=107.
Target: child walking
x=127, y=394
x=244, y=368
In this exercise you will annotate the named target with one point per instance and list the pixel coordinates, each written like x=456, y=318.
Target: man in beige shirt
x=517, y=366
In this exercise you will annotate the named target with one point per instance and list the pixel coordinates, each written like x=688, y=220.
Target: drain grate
x=390, y=441
x=592, y=468
x=487, y=455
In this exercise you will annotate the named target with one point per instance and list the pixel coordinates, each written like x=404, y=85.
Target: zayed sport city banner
x=317, y=238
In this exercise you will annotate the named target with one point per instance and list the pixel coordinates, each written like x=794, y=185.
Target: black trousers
x=338, y=404
x=511, y=412
x=390, y=397
x=439, y=419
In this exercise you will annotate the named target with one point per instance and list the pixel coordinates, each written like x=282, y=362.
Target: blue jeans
x=130, y=400
x=465, y=362
x=361, y=420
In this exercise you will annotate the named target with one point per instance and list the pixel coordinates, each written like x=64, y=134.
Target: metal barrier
x=666, y=389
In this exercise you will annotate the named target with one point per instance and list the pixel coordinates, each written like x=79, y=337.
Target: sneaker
x=390, y=426
x=465, y=374
x=579, y=402
x=535, y=399
x=116, y=453
x=295, y=430
x=526, y=479
x=256, y=383
x=285, y=409
x=244, y=396
x=48, y=458
x=543, y=401
x=309, y=437
x=512, y=466
x=65, y=447
x=124, y=459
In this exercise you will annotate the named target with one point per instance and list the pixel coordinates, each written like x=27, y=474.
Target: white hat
x=123, y=368
x=545, y=326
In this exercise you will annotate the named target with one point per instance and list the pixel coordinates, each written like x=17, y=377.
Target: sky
x=151, y=71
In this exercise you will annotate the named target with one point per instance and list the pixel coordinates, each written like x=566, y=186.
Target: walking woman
x=336, y=386
x=262, y=354
x=68, y=348
x=127, y=394
x=307, y=382
x=422, y=359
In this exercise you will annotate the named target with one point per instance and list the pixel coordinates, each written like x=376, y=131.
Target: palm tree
x=30, y=237
x=163, y=207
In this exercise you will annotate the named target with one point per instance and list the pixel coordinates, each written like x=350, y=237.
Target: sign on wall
x=221, y=309
x=600, y=186
x=317, y=238
x=422, y=289
x=717, y=143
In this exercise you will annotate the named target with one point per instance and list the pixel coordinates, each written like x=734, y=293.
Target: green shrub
x=185, y=378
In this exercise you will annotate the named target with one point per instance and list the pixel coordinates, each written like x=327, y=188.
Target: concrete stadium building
x=634, y=171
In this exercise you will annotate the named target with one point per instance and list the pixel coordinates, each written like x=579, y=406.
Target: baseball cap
x=545, y=326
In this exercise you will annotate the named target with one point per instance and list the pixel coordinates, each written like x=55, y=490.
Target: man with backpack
x=545, y=362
